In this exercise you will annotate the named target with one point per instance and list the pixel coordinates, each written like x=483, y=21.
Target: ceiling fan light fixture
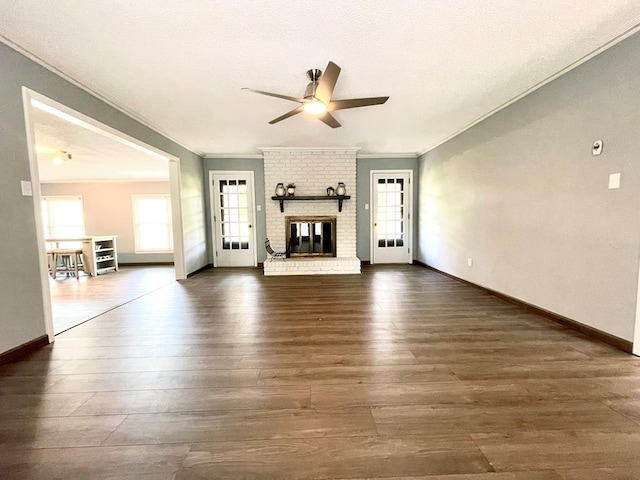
x=61, y=159
x=316, y=107
x=318, y=99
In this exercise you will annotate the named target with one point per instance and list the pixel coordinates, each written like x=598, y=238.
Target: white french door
x=391, y=203
x=232, y=218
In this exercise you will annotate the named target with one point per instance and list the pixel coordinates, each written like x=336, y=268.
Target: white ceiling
x=179, y=65
x=95, y=156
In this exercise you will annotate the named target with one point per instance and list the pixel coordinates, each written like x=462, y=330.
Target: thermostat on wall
x=597, y=147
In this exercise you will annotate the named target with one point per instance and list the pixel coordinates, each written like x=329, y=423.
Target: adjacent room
x=106, y=213
x=320, y=240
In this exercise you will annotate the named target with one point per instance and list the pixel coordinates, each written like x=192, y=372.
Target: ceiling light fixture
x=61, y=159
x=315, y=107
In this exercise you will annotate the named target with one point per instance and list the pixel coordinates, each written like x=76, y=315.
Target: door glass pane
x=389, y=214
x=234, y=214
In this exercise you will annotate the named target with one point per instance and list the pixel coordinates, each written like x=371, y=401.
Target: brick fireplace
x=312, y=170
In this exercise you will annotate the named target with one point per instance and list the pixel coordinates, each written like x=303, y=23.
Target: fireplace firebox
x=311, y=236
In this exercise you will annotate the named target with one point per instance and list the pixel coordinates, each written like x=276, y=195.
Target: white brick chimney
x=312, y=170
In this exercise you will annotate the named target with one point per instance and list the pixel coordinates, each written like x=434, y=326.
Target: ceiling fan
x=317, y=99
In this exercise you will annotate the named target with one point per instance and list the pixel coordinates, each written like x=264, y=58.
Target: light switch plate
x=614, y=180
x=27, y=189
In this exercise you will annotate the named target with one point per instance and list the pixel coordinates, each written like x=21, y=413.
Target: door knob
x=249, y=226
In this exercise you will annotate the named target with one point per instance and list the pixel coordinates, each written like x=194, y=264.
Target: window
x=390, y=214
x=152, y=223
x=63, y=217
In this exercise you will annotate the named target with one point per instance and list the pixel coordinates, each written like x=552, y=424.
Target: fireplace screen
x=311, y=236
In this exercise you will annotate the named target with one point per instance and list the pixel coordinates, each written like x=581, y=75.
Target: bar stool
x=70, y=260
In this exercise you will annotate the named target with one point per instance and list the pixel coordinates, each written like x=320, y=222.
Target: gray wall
x=363, y=172
x=108, y=210
x=256, y=165
x=363, y=166
x=21, y=308
x=521, y=194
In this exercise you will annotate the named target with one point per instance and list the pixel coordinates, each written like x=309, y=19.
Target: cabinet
x=100, y=255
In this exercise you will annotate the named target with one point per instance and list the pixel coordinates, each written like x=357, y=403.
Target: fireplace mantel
x=311, y=198
x=312, y=170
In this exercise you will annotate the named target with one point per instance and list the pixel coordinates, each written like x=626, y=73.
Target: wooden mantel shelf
x=311, y=198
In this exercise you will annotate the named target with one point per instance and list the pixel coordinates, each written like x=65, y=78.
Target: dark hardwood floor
x=399, y=373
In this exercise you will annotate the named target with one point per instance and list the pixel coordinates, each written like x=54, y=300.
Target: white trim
x=636, y=330
x=410, y=220
x=37, y=202
x=252, y=156
x=605, y=46
x=308, y=149
x=231, y=173
x=90, y=91
x=109, y=180
x=175, y=187
x=385, y=156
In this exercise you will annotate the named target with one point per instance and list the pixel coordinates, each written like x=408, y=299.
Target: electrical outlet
x=469, y=262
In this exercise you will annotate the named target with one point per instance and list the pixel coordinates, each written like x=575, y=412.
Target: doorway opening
x=232, y=195
x=391, y=216
x=72, y=155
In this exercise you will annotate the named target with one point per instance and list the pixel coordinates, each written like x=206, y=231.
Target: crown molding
x=308, y=149
x=34, y=58
x=614, y=39
x=387, y=156
x=105, y=180
x=233, y=156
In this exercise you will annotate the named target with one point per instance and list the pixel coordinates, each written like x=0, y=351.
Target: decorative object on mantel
x=280, y=190
x=330, y=192
x=291, y=189
x=341, y=190
x=311, y=198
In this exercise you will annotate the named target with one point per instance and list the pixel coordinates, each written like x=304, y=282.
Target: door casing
x=212, y=211
x=408, y=204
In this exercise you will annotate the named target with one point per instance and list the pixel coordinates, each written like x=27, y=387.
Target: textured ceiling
x=179, y=65
x=95, y=157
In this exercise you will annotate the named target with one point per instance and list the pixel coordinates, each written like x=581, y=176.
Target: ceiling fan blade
x=355, y=102
x=327, y=83
x=277, y=95
x=293, y=112
x=328, y=119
